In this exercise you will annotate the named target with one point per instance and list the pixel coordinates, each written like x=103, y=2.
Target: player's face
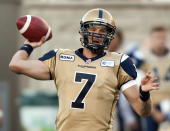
x=158, y=39
x=97, y=30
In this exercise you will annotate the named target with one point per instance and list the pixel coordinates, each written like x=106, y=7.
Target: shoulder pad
x=48, y=55
x=128, y=66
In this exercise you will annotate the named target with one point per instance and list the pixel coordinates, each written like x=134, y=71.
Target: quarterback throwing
x=88, y=79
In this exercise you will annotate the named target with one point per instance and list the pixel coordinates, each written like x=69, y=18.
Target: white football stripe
x=27, y=24
x=48, y=33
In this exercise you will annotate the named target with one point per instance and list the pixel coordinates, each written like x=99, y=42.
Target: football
x=33, y=28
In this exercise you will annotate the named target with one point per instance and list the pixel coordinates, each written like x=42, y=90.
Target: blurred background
x=30, y=105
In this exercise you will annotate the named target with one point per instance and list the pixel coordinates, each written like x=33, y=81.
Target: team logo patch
x=107, y=63
x=66, y=57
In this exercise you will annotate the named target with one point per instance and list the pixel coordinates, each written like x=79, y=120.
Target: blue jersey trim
x=79, y=53
x=129, y=67
x=48, y=55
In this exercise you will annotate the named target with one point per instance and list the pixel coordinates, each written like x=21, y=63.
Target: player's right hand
x=36, y=44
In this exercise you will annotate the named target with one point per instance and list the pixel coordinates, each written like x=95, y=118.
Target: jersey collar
x=79, y=53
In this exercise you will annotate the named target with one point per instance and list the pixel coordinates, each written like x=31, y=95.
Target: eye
x=91, y=29
x=103, y=31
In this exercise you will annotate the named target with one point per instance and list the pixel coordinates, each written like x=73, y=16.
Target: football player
x=158, y=56
x=88, y=79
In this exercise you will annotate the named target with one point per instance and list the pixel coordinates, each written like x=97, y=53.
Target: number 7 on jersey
x=85, y=89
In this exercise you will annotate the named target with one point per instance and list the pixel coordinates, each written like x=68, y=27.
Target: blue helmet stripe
x=100, y=13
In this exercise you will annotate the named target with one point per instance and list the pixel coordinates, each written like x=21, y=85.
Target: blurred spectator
x=117, y=41
x=158, y=55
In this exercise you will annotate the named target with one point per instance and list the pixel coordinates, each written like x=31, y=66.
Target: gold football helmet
x=99, y=17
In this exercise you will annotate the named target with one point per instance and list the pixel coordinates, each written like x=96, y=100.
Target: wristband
x=27, y=48
x=144, y=96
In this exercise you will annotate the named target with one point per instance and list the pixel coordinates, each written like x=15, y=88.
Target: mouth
x=96, y=41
